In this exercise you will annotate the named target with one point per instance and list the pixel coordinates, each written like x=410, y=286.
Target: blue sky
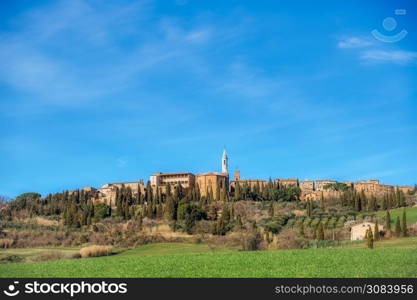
x=101, y=91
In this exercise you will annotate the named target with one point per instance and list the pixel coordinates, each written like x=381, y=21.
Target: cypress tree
x=376, y=230
x=218, y=191
x=369, y=238
x=239, y=223
x=237, y=192
x=315, y=233
x=271, y=209
x=211, y=197
x=170, y=212
x=140, y=221
x=404, y=231
x=397, y=227
x=388, y=222
x=301, y=230
x=322, y=201
x=320, y=234
x=221, y=227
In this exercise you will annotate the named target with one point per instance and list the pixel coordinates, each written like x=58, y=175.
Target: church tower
x=225, y=162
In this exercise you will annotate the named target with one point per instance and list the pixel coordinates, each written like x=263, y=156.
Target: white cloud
x=396, y=56
x=121, y=162
x=49, y=54
x=354, y=42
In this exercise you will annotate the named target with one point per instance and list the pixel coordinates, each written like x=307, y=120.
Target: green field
x=392, y=258
x=411, y=213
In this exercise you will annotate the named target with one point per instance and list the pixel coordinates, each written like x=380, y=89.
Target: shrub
x=252, y=240
x=50, y=255
x=10, y=259
x=412, y=230
x=6, y=243
x=95, y=250
x=288, y=239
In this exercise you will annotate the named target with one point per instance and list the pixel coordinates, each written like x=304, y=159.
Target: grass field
x=29, y=253
x=411, y=213
x=391, y=258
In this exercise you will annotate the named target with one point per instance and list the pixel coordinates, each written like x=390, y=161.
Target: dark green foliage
x=188, y=214
x=388, y=221
x=338, y=186
x=301, y=230
x=276, y=223
x=101, y=211
x=398, y=227
x=269, y=192
x=239, y=224
x=170, y=209
x=369, y=238
x=320, y=232
x=271, y=209
x=404, y=231
x=376, y=230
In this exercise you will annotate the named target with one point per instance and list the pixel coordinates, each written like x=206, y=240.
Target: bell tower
x=225, y=162
x=237, y=175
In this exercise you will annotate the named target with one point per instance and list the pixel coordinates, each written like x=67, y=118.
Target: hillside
x=410, y=211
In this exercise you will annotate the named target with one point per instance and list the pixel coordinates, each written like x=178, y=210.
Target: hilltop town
x=212, y=209
x=219, y=183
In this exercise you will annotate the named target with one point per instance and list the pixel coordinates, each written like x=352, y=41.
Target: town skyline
x=212, y=178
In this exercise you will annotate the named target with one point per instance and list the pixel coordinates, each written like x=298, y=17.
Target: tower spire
x=225, y=162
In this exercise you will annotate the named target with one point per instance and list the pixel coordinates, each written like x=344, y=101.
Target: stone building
x=107, y=193
x=250, y=182
x=306, y=184
x=358, y=231
x=287, y=181
x=211, y=181
x=406, y=188
x=372, y=188
x=320, y=184
x=186, y=179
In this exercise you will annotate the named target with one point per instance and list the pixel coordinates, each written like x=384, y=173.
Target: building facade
x=306, y=184
x=212, y=181
x=358, y=231
x=186, y=179
x=287, y=181
x=320, y=184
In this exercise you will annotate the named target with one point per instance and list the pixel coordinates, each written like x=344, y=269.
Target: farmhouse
x=358, y=231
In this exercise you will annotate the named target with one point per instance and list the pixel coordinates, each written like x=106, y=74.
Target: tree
x=219, y=227
x=188, y=213
x=239, y=224
x=301, y=230
x=218, y=188
x=170, y=209
x=397, y=227
x=369, y=238
x=309, y=207
x=101, y=211
x=315, y=233
x=320, y=232
x=404, y=231
x=388, y=222
x=223, y=196
x=376, y=230
x=271, y=209
x=237, y=192
x=322, y=201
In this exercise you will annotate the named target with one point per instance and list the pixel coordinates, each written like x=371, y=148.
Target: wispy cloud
x=121, y=162
x=49, y=53
x=354, y=42
x=395, y=56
